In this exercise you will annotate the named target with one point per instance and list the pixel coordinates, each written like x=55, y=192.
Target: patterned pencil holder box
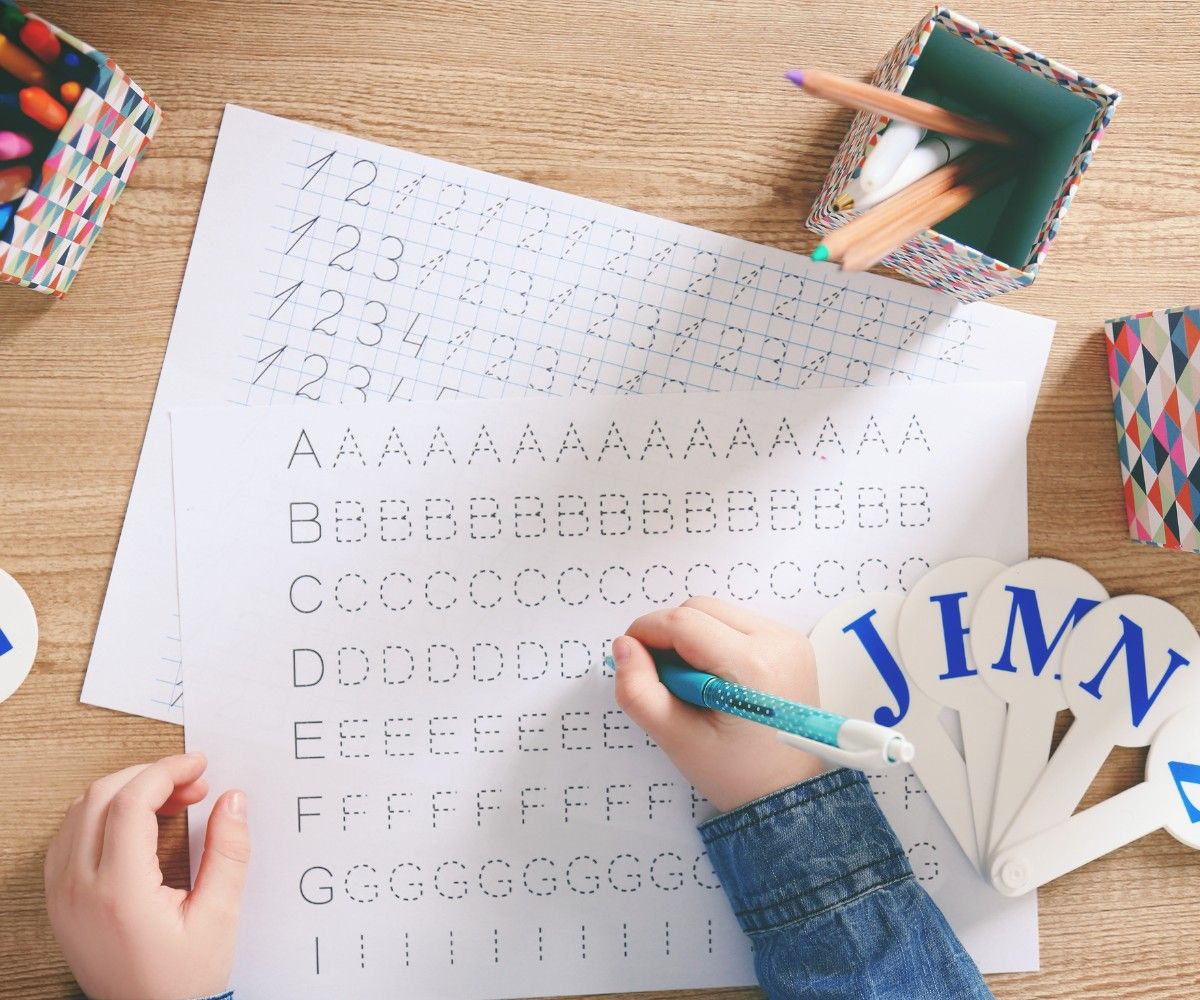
x=997, y=243
x=78, y=174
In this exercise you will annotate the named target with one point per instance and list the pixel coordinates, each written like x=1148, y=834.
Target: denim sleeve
x=822, y=887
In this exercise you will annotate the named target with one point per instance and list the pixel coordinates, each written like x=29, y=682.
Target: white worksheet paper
x=394, y=621
x=335, y=269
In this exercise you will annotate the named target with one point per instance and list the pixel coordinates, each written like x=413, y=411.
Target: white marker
x=932, y=153
x=893, y=147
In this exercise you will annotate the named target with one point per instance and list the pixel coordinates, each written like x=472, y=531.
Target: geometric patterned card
x=1154, y=364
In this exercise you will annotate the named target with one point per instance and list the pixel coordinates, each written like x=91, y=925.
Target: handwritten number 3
x=366, y=381
x=393, y=259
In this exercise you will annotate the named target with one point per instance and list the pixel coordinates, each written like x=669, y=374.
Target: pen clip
x=858, y=759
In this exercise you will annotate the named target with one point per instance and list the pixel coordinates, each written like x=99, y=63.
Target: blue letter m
x=1025, y=606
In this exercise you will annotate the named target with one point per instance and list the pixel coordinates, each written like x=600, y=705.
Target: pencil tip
x=821, y=253
x=796, y=76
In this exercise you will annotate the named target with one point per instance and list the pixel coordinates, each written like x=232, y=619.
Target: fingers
x=735, y=643
x=222, y=874
x=642, y=696
x=59, y=851
x=734, y=615
x=129, y=849
x=706, y=643
x=184, y=796
x=92, y=810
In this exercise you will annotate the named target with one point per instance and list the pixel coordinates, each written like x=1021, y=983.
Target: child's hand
x=731, y=761
x=125, y=935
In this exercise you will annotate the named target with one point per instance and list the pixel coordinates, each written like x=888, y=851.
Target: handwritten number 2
x=363, y=187
x=319, y=326
x=316, y=380
x=333, y=261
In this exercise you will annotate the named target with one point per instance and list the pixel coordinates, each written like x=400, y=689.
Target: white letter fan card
x=1168, y=799
x=1130, y=664
x=935, y=653
x=394, y=624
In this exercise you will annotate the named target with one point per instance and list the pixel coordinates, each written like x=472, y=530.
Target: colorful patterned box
x=1154, y=363
x=81, y=178
x=998, y=242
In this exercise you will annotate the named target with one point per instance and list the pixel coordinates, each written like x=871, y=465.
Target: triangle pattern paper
x=1154, y=367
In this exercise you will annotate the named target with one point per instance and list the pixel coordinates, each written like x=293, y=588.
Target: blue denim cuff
x=803, y=850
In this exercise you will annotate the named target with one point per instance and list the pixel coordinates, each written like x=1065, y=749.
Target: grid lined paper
x=331, y=269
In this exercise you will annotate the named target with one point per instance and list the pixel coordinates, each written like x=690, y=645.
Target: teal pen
x=849, y=742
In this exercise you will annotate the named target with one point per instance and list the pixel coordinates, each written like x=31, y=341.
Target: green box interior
x=1004, y=222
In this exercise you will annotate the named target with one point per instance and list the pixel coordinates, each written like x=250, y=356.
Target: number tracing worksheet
x=394, y=622
x=331, y=269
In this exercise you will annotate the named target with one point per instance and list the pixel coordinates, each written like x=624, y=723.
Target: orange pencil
x=872, y=249
x=834, y=245
x=864, y=97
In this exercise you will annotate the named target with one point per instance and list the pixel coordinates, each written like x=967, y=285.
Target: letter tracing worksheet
x=394, y=620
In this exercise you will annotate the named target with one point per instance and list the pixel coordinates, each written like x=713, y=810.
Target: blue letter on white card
x=887, y=666
x=1141, y=698
x=1186, y=774
x=1025, y=606
x=954, y=636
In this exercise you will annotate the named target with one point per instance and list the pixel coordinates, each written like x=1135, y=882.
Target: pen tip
x=796, y=76
x=821, y=253
x=610, y=664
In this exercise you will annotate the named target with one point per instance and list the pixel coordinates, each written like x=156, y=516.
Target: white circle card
x=1018, y=628
x=933, y=631
x=18, y=635
x=1129, y=665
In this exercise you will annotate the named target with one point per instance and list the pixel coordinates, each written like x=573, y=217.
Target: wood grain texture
x=672, y=108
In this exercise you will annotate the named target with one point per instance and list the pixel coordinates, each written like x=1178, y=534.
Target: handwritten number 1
x=267, y=362
x=316, y=167
x=300, y=232
x=284, y=297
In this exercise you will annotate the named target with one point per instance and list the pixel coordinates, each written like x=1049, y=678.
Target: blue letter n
x=1141, y=698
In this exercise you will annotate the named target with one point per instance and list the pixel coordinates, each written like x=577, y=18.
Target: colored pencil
x=872, y=249
x=864, y=97
x=834, y=245
x=18, y=62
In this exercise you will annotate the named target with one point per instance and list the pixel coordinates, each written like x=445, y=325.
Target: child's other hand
x=125, y=935
x=731, y=761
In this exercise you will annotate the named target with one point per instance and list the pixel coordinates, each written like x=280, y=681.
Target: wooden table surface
x=676, y=109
